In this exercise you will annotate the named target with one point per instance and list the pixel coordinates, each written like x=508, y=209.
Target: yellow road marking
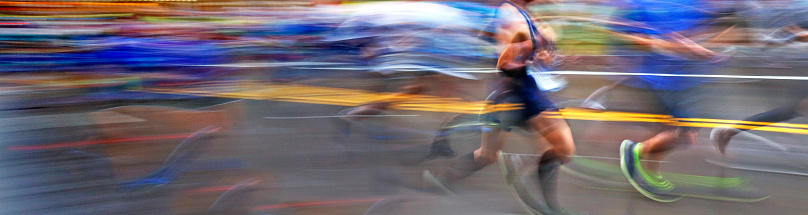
x=746, y=122
x=352, y=97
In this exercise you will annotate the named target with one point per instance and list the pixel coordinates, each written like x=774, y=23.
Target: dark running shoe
x=434, y=182
x=648, y=184
x=511, y=164
x=441, y=149
x=521, y=174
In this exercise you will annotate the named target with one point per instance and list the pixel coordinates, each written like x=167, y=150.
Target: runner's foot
x=434, y=182
x=511, y=164
x=593, y=104
x=521, y=173
x=649, y=184
x=721, y=136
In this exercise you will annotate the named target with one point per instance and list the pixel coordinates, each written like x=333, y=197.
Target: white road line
x=600, y=73
x=765, y=77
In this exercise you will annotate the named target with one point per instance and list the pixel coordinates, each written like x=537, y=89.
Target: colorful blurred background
x=229, y=107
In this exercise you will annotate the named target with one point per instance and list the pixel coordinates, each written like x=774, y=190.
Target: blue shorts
x=524, y=92
x=683, y=102
x=680, y=104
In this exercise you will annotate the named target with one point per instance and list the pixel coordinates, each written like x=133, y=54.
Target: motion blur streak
x=342, y=107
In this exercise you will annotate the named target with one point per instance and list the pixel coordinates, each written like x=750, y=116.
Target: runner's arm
x=801, y=33
x=513, y=60
x=679, y=44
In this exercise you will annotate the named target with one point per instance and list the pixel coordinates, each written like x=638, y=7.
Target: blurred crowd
x=184, y=42
x=190, y=41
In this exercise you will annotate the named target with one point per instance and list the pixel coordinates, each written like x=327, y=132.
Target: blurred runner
x=413, y=40
x=656, y=40
x=526, y=48
x=424, y=43
x=782, y=22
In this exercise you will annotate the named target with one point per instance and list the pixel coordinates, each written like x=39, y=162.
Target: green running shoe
x=650, y=185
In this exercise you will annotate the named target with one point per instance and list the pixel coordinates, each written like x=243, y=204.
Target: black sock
x=548, y=179
x=441, y=148
x=774, y=115
x=461, y=167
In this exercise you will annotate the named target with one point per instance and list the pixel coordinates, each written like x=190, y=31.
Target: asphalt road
x=305, y=167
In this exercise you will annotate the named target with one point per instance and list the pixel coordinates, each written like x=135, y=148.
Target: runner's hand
x=700, y=51
x=686, y=50
x=542, y=59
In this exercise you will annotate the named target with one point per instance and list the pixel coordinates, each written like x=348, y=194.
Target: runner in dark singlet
x=525, y=48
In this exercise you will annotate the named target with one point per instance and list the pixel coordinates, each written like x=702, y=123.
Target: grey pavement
x=305, y=160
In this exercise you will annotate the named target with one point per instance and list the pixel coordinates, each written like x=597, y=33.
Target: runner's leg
x=775, y=115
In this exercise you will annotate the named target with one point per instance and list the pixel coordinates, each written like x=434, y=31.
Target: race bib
x=546, y=82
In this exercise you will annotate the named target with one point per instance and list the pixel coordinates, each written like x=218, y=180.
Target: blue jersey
x=658, y=19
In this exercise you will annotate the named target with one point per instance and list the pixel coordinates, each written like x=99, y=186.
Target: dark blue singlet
x=525, y=90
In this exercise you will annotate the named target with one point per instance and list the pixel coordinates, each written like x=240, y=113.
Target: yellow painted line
x=585, y=112
x=772, y=129
x=613, y=119
x=796, y=129
x=352, y=97
x=576, y=113
x=779, y=124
